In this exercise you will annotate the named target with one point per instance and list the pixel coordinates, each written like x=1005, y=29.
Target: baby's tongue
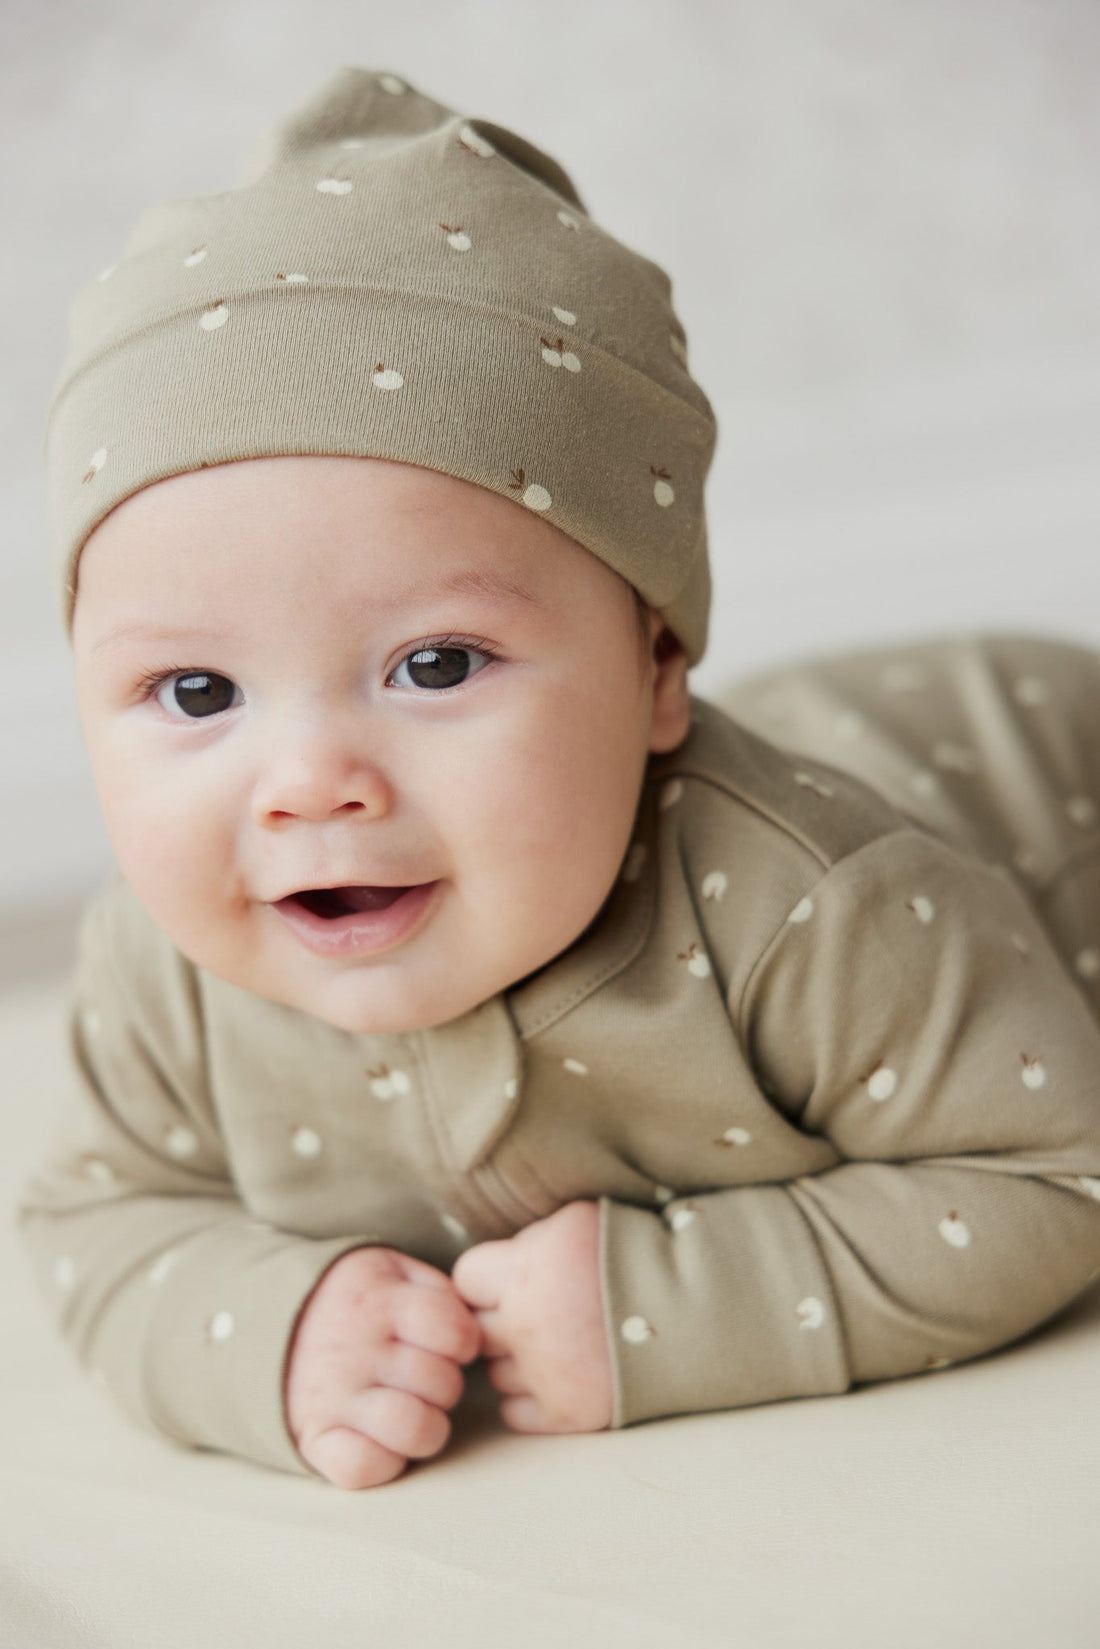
x=369, y=898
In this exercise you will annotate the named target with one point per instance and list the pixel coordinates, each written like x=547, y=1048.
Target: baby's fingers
x=351, y=1461
x=525, y=1413
x=479, y=1272
x=400, y=1421
x=436, y=1379
x=437, y=1321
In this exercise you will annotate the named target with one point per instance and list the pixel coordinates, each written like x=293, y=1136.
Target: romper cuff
x=719, y=1301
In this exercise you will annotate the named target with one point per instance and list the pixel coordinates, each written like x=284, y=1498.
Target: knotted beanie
x=392, y=279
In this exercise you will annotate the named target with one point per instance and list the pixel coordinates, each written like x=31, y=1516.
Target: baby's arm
x=181, y=1303
x=916, y=1015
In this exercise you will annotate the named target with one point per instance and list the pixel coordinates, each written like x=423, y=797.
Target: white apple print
x=1030, y=690
x=292, y=278
x=923, y=908
x=670, y=794
x=735, y=1136
x=811, y=1312
x=882, y=1082
x=511, y=1088
x=158, y=1271
x=565, y=316
x=1081, y=811
x=812, y=783
x=390, y=83
x=1087, y=962
x=306, y=1142
x=698, y=963
x=474, y=141
x=64, y=1271
x=334, y=186
x=212, y=318
x=455, y=1227
x=635, y=859
x=802, y=911
x=220, y=1326
x=635, y=1330
x=1034, y=1073
x=553, y=356
x=681, y=1217
x=662, y=491
x=386, y=378
x=954, y=1231
x=387, y=1084
x=457, y=239
x=531, y=494
x=196, y=255
x=715, y=884
x=567, y=220
x=181, y=1141
x=924, y=782
x=95, y=464
x=665, y=1193
x=576, y=1066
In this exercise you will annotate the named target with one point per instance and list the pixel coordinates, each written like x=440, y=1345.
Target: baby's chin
x=361, y=1000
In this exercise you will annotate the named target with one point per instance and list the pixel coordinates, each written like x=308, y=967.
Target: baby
x=470, y=987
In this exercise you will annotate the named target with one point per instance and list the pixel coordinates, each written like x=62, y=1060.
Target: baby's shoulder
x=726, y=778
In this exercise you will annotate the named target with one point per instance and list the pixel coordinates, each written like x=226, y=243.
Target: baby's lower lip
x=360, y=932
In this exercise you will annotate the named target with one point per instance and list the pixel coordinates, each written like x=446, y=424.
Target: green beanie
x=391, y=280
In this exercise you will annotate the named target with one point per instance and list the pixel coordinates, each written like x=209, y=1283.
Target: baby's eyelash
x=147, y=684
x=479, y=644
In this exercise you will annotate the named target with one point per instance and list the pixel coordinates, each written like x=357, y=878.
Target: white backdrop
x=882, y=224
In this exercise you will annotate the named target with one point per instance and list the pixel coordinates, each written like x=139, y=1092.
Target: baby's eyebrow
x=158, y=633
x=484, y=581
x=496, y=586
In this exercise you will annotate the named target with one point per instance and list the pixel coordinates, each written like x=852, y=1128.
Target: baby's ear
x=671, y=715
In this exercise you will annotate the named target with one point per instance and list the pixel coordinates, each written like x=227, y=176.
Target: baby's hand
x=373, y=1364
x=537, y=1298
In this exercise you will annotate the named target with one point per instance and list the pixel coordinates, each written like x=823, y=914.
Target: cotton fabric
x=391, y=279
x=827, y=1062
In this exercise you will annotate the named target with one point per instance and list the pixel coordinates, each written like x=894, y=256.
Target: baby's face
x=304, y=674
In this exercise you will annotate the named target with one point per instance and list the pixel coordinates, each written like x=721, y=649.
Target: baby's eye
x=439, y=666
x=199, y=693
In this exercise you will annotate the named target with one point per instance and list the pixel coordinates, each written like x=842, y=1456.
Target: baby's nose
x=320, y=782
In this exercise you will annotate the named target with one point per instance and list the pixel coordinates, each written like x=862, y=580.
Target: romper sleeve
x=149, y=1265
x=911, y=1011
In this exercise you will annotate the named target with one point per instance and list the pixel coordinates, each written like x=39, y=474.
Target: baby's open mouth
x=355, y=922
x=331, y=902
